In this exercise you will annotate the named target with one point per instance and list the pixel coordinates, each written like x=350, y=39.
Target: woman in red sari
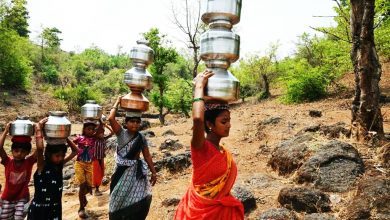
x=214, y=170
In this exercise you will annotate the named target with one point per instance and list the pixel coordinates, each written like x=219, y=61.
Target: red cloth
x=97, y=172
x=210, y=164
x=21, y=139
x=17, y=178
x=83, y=142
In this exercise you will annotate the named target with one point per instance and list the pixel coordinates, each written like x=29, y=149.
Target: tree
x=163, y=55
x=50, y=38
x=15, y=17
x=190, y=26
x=366, y=111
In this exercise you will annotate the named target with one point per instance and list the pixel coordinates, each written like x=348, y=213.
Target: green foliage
x=76, y=97
x=15, y=16
x=179, y=96
x=163, y=55
x=50, y=38
x=14, y=63
x=50, y=73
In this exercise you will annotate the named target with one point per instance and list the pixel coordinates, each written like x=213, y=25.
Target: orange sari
x=208, y=196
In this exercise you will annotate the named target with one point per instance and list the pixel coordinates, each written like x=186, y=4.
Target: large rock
x=144, y=125
x=174, y=163
x=168, y=133
x=278, y=214
x=170, y=202
x=270, y=121
x=171, y=145
x=290, y=155
x=335, y=130
x=315, y=113
x=319, y=216
x=372, y=200
x=302, y=199
x=245, y=197
x=148, y=133
x=334, y=167
x=68, y=173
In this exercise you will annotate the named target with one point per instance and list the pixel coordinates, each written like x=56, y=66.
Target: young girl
x=98, y=156
x=17, y=175
x=214, y=170
x=130, y=191
x=46, y=204
x=83, y=164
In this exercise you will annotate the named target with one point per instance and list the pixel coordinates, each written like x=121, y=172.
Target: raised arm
x=149, y=161
x=39, y=144
x=198, y=105
x=74, y=149
x=3, y=154
x=111, y=132
x=116, y=127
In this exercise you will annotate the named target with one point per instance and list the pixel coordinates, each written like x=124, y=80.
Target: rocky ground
x=294, y=161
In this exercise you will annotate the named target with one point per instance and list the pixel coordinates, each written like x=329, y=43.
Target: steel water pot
x=22, y=126
x=57, y=126
x=91, y=110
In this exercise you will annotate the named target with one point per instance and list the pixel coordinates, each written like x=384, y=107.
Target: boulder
x=302, y=199
x=289, y=155
x=174, y=163
x=334, y=167
x=246, y=198
x=278, y=214
x=372, y=200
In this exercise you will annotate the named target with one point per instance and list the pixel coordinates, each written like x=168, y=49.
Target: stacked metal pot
x=138, y=78
x=219, y=47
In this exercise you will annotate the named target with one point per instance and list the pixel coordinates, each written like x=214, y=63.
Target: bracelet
x=197, y=99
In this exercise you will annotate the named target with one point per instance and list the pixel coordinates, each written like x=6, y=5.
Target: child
x=46, y=204
x=98, y=156
x=83, y=164
x=17, y=175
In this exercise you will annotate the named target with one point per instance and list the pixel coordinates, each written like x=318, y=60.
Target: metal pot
x=220, y=44
x=223, y=86
x=228, y=10
x=57, y=126
x=137, y=77
x=91, y=110
x=142, y=54
x=22, y=126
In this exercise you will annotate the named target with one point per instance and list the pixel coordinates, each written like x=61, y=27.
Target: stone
x=148, y=133
x=278, y=214
x=68, y=173
x=170, y=202
x=319, y=216
x=106, y=180
x=271, y=121
x=333, y=168
x=174, y=163
x=312, y=128
x=302, y=199
x=315, y=113
x=144, y=125
x=171, y=145
x=168, y=132
x=246, y=198
x=335, y=130
x=289, y=155
x=371, y=201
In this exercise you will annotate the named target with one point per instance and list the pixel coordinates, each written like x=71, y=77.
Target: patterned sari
x=130, y=189
x=208, y=196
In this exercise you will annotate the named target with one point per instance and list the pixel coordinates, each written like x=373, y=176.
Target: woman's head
x=133, y=121
x=55, y=153
x=89, y=129
x=21, y=147
x=217, y=119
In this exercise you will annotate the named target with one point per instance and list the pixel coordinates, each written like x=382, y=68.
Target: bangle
x=197, y=99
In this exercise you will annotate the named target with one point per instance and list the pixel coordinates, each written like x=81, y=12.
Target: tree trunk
x=196, y=61
x=266, y=92
x=366, y=111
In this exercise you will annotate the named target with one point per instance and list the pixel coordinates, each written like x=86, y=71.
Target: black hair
x=87, y=125
x=53, y=149
x=127, y=119
x=24, y=146
x=210, y=116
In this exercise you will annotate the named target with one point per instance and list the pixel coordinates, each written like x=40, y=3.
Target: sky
x=115, y=24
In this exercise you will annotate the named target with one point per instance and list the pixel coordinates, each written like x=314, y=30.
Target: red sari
x=210, y=165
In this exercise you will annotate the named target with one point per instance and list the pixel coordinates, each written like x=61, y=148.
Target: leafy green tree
x=16, y=17
x=50, y=38
x=163, y=55
x=14, y=62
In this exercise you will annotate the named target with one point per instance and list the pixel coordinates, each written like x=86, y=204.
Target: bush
x=76, y=97
x=50, y=73
x=14, y=63
x=179, y=96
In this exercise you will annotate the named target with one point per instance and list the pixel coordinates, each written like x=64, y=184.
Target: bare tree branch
x=327, y=32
